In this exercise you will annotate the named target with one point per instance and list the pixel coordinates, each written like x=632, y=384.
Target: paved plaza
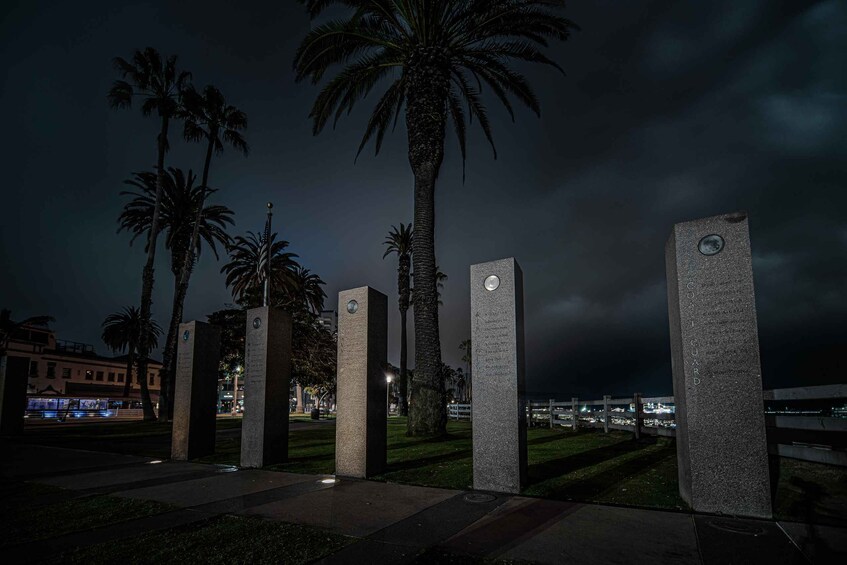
x=393, y=523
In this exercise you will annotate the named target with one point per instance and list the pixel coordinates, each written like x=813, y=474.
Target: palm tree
x=124, y=331
x=309, y=292
x=245, y=276
x=159, y=85
x=436, y=55
x=467, y=356
x=181, y=202
x=439, y=285
x=399, y=241
x=207, y=117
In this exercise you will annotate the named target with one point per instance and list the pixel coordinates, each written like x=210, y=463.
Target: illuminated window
x=89, y=375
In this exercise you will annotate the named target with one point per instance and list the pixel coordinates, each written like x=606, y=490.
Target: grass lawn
x=20, y=523
x=223, y=539
x=586, y=465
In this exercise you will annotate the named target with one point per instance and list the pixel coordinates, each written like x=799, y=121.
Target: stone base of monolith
x=497, y=338
x=361, y=421
x=720, y=426
x=195, y=390
x=267, y=379
x=14, y=373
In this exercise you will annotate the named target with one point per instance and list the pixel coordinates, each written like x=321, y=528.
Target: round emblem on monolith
x=257, y=323
x=492, y=282
x=185, y=335
x=711, y=245
x=352, y=306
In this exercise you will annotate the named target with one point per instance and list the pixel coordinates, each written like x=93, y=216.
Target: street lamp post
x=235, y=392
x=388, y=379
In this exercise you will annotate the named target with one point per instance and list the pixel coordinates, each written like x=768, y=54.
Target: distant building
x=329, y=320
x=67, y=368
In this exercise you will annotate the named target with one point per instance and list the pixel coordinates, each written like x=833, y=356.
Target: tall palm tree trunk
x=404, y=401
x=148, y=275
x=130, y=360
x=404, y=285
x=180, y=292
x=426, y=116
x=168, y=372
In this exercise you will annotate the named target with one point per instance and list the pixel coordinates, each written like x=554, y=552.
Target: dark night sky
x=670, y=111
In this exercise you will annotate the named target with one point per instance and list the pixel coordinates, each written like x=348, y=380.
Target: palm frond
x=456, y=40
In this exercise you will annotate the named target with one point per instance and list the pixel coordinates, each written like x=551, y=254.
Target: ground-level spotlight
x=154, y=461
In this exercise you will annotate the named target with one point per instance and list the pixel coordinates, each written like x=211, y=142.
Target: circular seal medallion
x=492, y=282
x=352, y=306
x=257, y=323
x=711, y=245
x=185, y=335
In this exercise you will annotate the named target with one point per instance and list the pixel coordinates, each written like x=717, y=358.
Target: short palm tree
x=466, y=347
x=123, y=331
x=245, y=276
x=439, y=284
x=159, y=85
x=435, y=56
x=399, y=242
x=182, y=201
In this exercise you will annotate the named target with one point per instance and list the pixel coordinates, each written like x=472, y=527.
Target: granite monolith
x=14, y=375
x=195, y=391
x=720, y=426
x=497, y=339
x=267, y=378
x=361, y=423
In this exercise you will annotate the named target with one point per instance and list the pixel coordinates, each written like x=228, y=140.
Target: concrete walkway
x=400, y=523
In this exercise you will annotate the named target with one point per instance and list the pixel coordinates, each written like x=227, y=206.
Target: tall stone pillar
x=14, y=377
x=497, y=338
x=196, y=386
x=361, y=422
x=267, y=382
x=717, y=381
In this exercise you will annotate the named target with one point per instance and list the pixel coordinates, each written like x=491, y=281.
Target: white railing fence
x=796, y=433
x=459, y=411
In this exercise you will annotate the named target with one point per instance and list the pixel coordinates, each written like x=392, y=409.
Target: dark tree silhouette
x=159, y=85
x=399, y=242
x=435, y=57
x=244, y=273
x=207, y=117
x=122, y=331
x=181, y=202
